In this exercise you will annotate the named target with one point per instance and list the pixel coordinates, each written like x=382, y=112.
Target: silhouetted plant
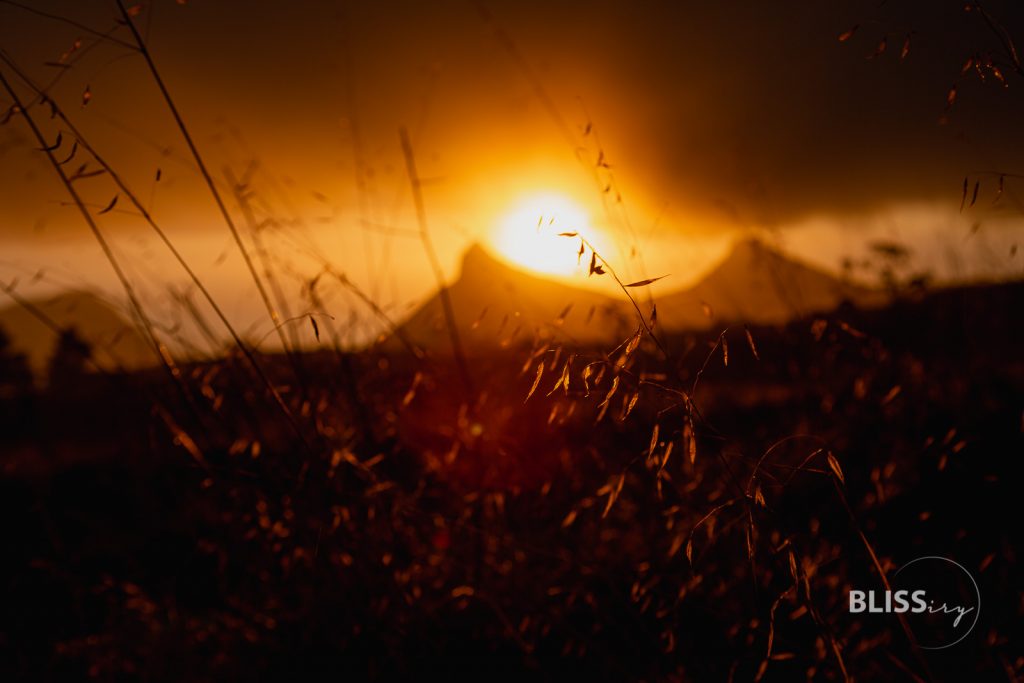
x=69, y=362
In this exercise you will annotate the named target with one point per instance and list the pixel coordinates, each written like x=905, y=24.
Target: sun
x=528, y=234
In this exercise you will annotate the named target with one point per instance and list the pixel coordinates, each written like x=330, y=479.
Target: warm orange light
x=528, y=235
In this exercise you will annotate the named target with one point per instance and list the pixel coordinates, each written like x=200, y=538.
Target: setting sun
x=528, y=234
x=649, y=341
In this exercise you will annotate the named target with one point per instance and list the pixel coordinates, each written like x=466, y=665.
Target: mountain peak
x=114, y=340
x=476, y=259
x=496, y=304
x=757, y=283
x=751, y=250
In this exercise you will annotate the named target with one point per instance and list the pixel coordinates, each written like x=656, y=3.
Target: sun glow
x=528, y=234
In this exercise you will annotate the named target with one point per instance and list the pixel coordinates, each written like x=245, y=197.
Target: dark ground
x=410, y=539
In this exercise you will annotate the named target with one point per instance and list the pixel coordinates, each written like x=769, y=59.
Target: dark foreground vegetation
x=702, y=521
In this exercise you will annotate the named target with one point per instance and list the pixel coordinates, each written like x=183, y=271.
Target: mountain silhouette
x=497, y=305
x=758, y=285
x=113, y=340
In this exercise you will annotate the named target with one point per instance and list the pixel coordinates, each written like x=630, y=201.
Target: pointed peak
x=751, y=246
x=748, y=256
x=475, y=251
x=753, y=253
x=477, y=259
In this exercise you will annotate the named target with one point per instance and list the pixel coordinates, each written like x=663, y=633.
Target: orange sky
x=712, y=120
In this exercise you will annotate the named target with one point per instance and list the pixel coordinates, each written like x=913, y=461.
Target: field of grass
x=670, y=506
x=678, y=530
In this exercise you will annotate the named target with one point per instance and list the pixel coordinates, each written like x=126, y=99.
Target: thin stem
x=211, y=185
x=378, y=311
x=161, y=352
x=428, y=247
x=250, y=218
x=1004, y=38
x=625, y=290
x=161, y=234
x=71, y=22
x=885, y=579
x=203, y=170
x=50, y=324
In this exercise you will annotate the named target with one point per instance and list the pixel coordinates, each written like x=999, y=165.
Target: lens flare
x=528, y=234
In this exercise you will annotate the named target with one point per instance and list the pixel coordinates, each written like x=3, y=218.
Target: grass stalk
x=435, y=264
x=133, y=198
x=249, y=216
x=162, y=354
x=211, y=185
